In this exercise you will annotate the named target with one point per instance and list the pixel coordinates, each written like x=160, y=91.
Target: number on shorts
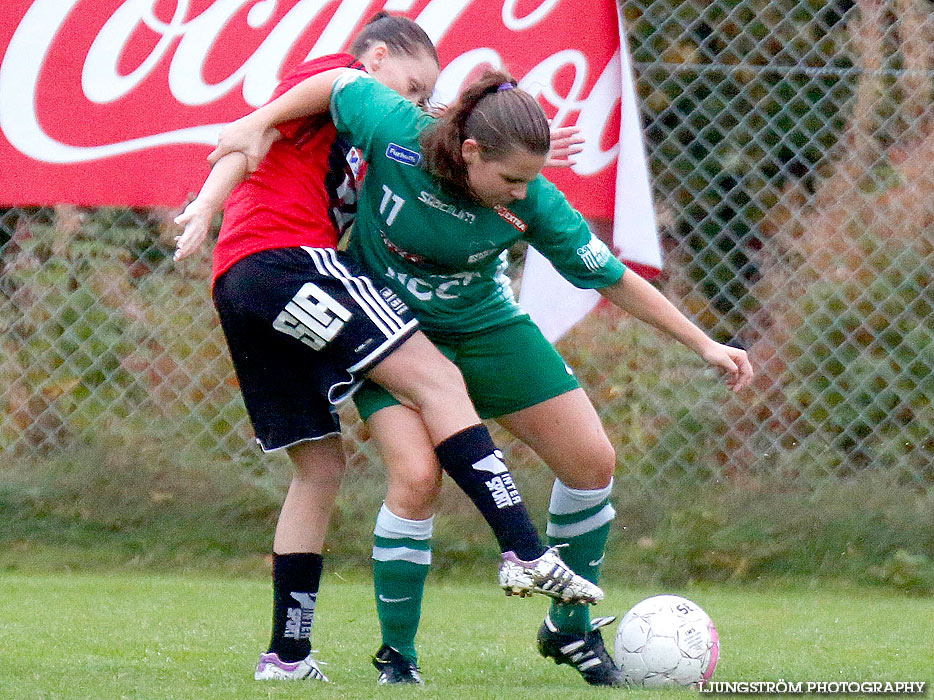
x=313, y=317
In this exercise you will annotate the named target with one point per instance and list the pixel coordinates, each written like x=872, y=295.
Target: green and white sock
x=401, y=560
x=579, y=518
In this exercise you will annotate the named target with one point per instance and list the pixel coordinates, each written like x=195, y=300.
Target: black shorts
x=303, y=326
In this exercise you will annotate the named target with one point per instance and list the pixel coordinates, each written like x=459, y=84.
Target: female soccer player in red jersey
x=304, y=327
x=442, y=199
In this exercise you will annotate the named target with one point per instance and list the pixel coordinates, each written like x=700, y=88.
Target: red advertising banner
x=117, y=102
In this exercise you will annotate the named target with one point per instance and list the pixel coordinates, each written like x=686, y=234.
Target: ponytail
x=496, y=114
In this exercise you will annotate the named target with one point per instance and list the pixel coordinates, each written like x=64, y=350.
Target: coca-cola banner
x=116, y=102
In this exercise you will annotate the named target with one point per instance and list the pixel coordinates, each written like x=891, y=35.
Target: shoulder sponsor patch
x=594, y=254
x=403, y=155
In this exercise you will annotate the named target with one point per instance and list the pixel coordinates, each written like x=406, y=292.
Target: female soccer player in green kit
x=442, y=200
x=304, y=326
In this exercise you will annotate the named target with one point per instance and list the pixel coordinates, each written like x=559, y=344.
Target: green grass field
x=70, y=636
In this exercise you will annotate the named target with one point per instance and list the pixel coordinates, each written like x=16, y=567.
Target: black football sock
x=295, y=579
x=472, y=460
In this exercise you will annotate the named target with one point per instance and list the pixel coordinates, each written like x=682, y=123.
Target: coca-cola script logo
x=118, y=101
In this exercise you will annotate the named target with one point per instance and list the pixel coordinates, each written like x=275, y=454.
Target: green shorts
x=506, y=368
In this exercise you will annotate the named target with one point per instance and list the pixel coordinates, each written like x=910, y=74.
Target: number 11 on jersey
x=397, y=203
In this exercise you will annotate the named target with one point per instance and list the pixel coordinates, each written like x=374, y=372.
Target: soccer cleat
x=585, y=652
x=547, y=575
x=395, y=669
x=272, y=668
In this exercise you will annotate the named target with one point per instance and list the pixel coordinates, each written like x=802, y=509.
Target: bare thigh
x=419, y=376
x=566, y=432
x=413, y=470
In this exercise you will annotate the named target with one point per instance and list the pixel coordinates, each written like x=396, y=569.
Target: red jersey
x=304, y=191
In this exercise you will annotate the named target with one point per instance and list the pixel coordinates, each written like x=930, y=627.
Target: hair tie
x=504, y=87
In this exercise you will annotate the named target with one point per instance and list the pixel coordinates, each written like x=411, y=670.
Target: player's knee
x=442, y=381
x=603, y=461
x=413, y=494
x=319, y=461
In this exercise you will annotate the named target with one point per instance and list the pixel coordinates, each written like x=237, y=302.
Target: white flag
x=553, y=302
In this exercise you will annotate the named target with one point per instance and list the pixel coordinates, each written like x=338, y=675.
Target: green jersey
x=444, y=255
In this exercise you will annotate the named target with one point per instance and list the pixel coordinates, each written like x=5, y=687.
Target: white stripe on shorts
x=325, y=268
x=374, y=356
x=365, y=286
x=376, y=309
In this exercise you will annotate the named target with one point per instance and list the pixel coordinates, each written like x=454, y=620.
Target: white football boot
x=547, y=575
x=272, y=668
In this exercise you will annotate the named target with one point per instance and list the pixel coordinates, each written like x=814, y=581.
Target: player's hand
x=243, y=136
x=733, y=364
x=565, y=142
x=196, y=222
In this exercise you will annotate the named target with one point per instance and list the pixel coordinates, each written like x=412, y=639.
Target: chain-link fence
x=791, y=144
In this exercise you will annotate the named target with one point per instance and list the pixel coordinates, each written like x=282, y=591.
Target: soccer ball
x=666, y=640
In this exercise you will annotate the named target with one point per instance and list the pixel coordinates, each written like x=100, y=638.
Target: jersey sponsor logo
x=340, y=181
x=403, y=155
x=509, y=216
x=594, y=254
x=426, y=291
x=476, y=257
x=312, y=316
x=356, y=163
x=404, y=254
x=430, y=200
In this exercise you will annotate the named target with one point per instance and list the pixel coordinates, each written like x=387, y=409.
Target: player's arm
x=196, y=219
x=310, y=96
x=636, y=296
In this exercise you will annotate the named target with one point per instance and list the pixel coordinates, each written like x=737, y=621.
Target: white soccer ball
x=666, y=640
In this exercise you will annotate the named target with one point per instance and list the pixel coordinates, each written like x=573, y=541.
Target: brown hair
x=497, y=115
x=400, y=34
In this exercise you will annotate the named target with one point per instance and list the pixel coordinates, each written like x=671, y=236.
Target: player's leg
x=468, y=453
x=281, y=390
x=419, y=376
x=318, y=467
x=402, y=539
x=471, y=459
x=514, y=373
x=566, y=433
